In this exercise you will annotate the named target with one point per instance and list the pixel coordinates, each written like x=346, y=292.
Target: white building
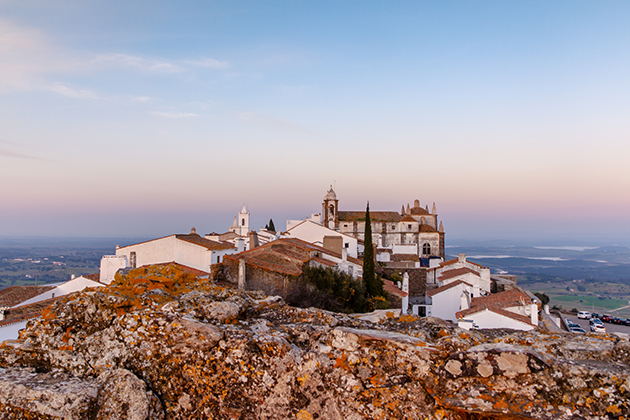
x=512, y=308
x=186, y=249
x=445, y=301
x=460, y=269
x=310, y=231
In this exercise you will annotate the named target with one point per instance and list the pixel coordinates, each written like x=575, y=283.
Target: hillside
x=161, y=343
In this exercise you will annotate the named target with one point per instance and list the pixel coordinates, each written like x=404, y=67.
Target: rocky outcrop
x=161, y=343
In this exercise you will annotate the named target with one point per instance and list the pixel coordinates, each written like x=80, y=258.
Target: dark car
x=628, y=322
x=595, y=316
x=605, y=318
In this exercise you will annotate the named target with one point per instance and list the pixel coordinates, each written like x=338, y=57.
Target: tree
x=271, y=227
x=373, y=285
x=543, y=297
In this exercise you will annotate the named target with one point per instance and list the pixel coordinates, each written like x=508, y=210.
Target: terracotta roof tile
x=14, y=295
x=456, y=272
x=455, y=260
x=444, y=288
x=506, y=299
x=375, y=216
x=390, y=287
x=427, y=229
x=193, y=238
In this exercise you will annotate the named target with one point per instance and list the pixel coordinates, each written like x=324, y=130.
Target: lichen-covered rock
x=160, y=343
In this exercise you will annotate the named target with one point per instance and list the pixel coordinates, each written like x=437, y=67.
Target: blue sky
x=148, y=118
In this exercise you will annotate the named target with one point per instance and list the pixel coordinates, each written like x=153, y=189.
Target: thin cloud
x=270, y=121
x=173, y=114
x=137, y=62
x=12, y=154
x=72, y=93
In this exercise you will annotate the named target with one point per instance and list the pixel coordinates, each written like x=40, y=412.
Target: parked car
x=598, y=327
x=595, y=315
x=584, y=315
x=571, y=323
x=605, y=318
x=577, y=330
x=628, y=322
x=595, y=321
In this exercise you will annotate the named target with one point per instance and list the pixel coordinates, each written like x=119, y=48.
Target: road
x=610, y=328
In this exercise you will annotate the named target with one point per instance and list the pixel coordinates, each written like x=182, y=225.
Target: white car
x=598, y=328
x=584, y=315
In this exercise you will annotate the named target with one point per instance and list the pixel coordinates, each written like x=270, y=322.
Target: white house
x=445, y=301
x=187, y=249
x=454, y=269
x=512, y=308
x=310, y=231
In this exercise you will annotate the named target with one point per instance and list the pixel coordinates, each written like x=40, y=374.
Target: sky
x=146, y=118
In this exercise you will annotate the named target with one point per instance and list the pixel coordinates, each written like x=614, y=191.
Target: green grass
x=590, y=301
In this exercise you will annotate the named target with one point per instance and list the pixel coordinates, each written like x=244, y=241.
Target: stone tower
x=330, y=210
x=240, y=225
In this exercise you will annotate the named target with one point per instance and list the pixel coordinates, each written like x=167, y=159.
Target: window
x=345, y=225
x=426, y=249
x=243, y=222
x=132, y=260
x=409, y=226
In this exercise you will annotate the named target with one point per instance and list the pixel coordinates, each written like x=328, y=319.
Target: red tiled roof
x=456, y=272
x=455, y=260
x=427, y=229
x=375, y=216
x=25, y=312
x=323, y=261
x=419, y=211
x=193, y=238
x=408, y=218
x=285, y=255
x=14, y=295
x=93, y=277
x=390, y=287
x=446, y=287
x=506, y=299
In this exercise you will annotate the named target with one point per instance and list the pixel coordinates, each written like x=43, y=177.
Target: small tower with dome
x=330, y=210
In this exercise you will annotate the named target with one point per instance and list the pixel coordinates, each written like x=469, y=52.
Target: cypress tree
x=369, y=278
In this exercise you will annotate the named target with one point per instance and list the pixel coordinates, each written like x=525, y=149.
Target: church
x=414, y=230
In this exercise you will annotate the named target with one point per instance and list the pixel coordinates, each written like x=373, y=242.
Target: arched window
x=426, y=249
x=243, y=222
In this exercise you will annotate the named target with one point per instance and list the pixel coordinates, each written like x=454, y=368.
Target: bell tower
x=330, y=209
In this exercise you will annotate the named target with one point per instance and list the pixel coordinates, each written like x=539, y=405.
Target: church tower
x=330, y=209
x=241, y=223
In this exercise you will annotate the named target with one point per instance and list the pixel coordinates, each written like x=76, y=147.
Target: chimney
x=465, y=303
x=72, y=276
x=461, y=258
x=193, y=231
x=534, y=314
x=241, y=274
x=405, y=299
